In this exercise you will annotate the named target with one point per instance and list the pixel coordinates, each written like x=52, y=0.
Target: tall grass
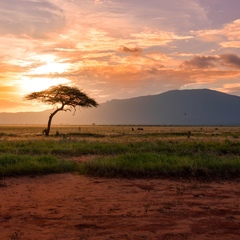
x=76, y=147
x=124, y=154
x=155, y=165
x=16, y=165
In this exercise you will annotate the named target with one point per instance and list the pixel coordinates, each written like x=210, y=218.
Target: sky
x=117, y=49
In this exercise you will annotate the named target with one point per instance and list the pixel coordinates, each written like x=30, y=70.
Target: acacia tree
x=64, y=98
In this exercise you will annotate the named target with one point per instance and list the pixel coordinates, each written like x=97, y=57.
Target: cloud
x=231, y=60
x=97, y=2
x=122, y=18
x=183, y=15
x=231, y=88
x=206, y=62
x=135, y=50
x=200, y=62
x=226, y=37
x=100, y=2
x=30, y=18
x=153, y=37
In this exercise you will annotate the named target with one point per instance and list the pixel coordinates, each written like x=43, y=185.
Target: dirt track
x=74, y=207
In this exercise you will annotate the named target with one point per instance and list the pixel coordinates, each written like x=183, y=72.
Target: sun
x=29, y=85
x=49, y=65
x=44, y=75
x=50, y=68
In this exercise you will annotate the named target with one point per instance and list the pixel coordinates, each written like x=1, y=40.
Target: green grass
x=16, y=165
x=119, y=152
x=76, y=147
x=153, y=165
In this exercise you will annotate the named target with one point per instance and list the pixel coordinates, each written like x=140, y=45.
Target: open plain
x=80, y=207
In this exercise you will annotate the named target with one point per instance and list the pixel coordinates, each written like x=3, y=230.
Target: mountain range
x=176, y=107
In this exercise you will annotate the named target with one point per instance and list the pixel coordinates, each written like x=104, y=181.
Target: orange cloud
x=227, y=37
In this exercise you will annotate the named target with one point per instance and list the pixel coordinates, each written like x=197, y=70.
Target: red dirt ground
x=73, y=207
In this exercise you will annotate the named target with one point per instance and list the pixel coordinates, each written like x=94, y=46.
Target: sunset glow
x=38, y=84
x=117, y=48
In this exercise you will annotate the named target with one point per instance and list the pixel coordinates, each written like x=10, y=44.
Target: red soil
x=74, y=207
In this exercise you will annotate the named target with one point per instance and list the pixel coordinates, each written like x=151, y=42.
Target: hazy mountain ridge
x=177, y=107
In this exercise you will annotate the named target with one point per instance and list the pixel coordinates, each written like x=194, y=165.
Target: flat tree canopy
x=64, y=98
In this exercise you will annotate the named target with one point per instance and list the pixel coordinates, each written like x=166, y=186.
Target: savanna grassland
x=118, y=182
x=122, y=151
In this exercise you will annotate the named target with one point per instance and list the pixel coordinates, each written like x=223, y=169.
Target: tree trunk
x=49, y=125
x=50, y=121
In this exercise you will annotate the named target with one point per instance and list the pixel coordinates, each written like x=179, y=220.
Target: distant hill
x=177, y=107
